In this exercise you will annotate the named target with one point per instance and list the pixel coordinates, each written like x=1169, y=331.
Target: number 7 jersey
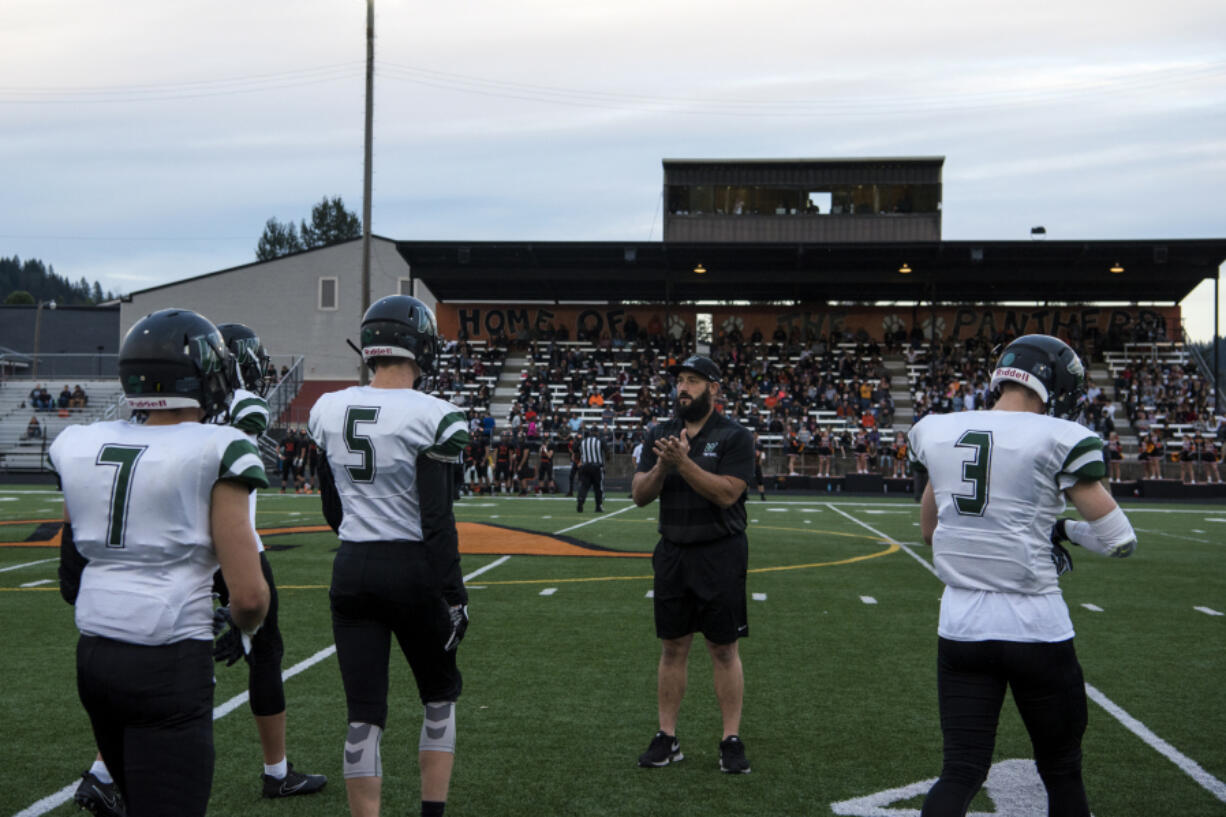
x=998, y=478
x=139, y=497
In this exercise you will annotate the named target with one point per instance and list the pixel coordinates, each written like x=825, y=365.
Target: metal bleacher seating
x=21, y=451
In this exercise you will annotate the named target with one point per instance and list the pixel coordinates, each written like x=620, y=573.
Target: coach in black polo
x=698, y=464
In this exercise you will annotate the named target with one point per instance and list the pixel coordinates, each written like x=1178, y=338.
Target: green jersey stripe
x=250, y=415
x=1092, y=468
x=448, y=422
x=1086, y=446
x=235, y=451
x=451, y=447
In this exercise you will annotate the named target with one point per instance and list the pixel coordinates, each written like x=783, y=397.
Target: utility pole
x=366, y=173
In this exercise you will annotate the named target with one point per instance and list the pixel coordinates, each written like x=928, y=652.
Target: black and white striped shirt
x=591, y=451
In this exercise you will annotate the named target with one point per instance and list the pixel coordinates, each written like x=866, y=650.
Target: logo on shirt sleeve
x=710, y=450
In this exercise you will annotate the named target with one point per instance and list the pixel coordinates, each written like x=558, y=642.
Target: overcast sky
x=143, y=142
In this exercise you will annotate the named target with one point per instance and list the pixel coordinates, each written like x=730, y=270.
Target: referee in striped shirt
x=591, y=468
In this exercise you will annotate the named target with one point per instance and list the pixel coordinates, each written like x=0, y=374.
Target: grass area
x=559, y=694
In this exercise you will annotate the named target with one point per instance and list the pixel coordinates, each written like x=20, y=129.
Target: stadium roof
x=1158, y=271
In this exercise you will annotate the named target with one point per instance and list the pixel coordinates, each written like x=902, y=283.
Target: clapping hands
x=673, y=451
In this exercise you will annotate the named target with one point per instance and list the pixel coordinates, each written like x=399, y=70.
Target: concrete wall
x=280, y=300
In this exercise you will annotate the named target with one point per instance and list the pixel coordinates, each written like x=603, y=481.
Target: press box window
x=327, y=293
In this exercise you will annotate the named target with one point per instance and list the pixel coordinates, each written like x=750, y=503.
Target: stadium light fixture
x=1116, y=268
x=699, y=269
x=1037, y=233
x=905, y=269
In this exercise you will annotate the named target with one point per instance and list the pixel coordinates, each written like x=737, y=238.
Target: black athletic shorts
x=502, y=471
x=381, y=589
x=701, y=588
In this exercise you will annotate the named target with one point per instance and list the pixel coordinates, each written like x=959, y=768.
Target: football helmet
x=175, y=358
x=250, y=356
x=1048, y=367
x=400, y=326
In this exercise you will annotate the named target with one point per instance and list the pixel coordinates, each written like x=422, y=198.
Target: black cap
x=703, y=366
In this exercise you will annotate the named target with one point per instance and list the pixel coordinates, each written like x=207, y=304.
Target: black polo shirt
x=724, y=447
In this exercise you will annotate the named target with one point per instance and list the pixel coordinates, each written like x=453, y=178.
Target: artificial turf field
x=559, y=670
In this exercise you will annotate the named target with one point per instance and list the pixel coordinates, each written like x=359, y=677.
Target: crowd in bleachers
x=823, y=404
x=467, y=373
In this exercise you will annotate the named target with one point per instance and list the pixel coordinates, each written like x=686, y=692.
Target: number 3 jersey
x=372, y=439
x=998, y=478
x=139, y=498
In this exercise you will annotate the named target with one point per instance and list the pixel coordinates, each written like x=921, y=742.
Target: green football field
x=559, y=669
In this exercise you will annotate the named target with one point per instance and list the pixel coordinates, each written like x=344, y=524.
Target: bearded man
x=698, y=464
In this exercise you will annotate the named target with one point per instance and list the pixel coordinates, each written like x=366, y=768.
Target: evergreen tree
x=278, y=240
x=330, y=224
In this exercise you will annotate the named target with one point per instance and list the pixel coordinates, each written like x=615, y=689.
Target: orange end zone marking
x=475, y=539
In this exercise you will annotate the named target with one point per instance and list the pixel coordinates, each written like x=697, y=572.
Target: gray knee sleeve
x=362, y=757
x=438, y=728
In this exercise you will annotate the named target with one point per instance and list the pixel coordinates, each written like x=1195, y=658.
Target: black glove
x=1061, y=559
x=232, y=644
x=459, y=625
x=1058, y=533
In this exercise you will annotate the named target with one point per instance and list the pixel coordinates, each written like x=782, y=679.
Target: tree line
x=31, y=281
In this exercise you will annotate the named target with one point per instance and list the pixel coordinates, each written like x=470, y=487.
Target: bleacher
x=468, y=373
x=1150, y=360
x=630, y=372
x=21, y=452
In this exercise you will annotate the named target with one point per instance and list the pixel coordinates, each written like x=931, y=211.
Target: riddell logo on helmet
x=147, y=402
x=386, y=351
x=1017, y=374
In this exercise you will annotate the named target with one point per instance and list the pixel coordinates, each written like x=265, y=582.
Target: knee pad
x=362, y=758
x=438, y=728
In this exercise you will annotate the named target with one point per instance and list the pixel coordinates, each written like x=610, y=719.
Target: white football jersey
x=139, y=498
x=998, y=478
x=372, y=438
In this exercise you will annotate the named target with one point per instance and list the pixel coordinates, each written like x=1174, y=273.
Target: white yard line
x=1190, y=767
x=885, y=538
x=27, y=564
x=65, y=794
x=597, y=518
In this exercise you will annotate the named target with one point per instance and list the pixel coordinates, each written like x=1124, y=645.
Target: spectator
x=34, y=430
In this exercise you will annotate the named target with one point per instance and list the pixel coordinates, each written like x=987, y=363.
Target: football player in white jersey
x=151, y=511
x=997, y=485
x=248, y=412
x=386, y=485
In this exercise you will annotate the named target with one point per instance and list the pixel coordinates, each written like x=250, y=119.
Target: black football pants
x=151, y=709
x=266, y=690
x=1049, y=690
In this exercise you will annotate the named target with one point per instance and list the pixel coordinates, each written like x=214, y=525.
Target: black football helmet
x=400, y=326
x=250, y=356
x=1048, y=367
x=175, y=358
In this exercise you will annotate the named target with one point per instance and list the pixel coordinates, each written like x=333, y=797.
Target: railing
x=1205, y=368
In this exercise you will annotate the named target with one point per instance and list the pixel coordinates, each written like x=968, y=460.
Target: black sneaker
x=293, y=783
x=599, y=509
x=732, y=756
x=99, y=798
x=664, y=749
